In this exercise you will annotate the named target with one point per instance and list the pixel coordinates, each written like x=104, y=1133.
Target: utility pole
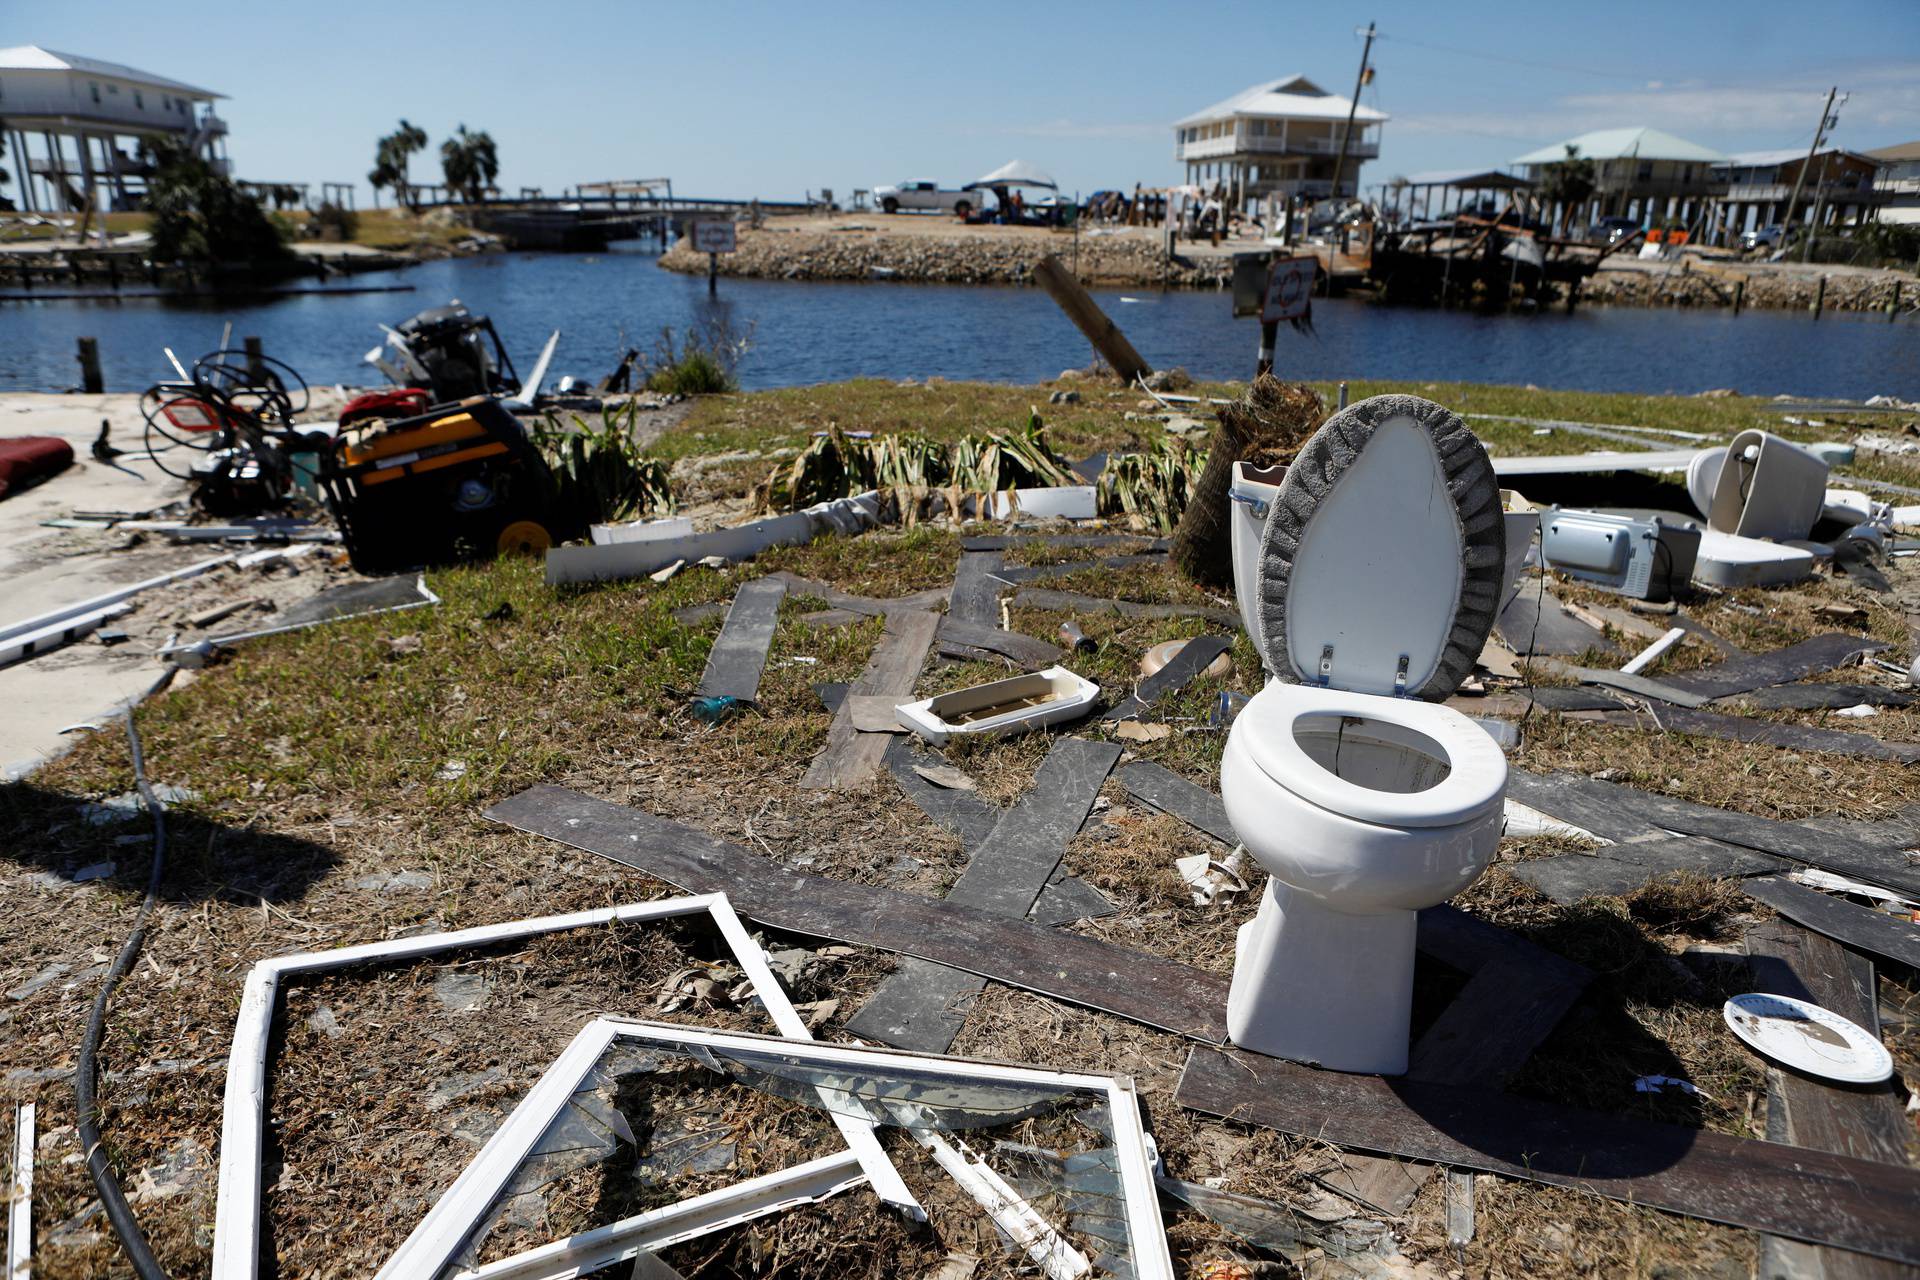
x=1359, y=82
x=1819, y=134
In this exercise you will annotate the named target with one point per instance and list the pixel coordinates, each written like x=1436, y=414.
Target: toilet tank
x=1252, y=492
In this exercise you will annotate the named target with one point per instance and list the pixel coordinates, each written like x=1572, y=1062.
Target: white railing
x=1271, y=144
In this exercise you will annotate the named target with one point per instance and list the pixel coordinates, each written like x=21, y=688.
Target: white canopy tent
x=1017, y=173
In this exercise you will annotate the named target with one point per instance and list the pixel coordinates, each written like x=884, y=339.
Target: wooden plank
x=1486, y=1035
x=1067, y=899
x=1537, y=624
x=1075, y=602
x=1643, y=686
x=1555, y=698
x=962, y=812
x=1582, y=802
x=1168, y=792
x=1823, y=696
x=1126, y=983
x=1093, y=323
x=1194, y=657
x=1023, y=649
x=976, y=591
x=924, y=1006
x=867, y=606
x=1861, y=928
x=1866, y=1122
x=1698, y=855
x=1813, y=1196
x=1792, y=737
x=1629, y=813
x=739, y=653
x=1782, y=666
x=850, y=757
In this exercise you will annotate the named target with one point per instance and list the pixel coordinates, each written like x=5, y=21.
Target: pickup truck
x=924, y=197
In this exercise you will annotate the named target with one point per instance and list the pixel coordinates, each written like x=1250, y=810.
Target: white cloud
x=1885, y=100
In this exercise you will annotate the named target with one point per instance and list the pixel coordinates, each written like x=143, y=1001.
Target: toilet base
x=1323, y=987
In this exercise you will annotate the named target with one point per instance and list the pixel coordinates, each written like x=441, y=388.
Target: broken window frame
x=433, y=1245
x=236, y=1232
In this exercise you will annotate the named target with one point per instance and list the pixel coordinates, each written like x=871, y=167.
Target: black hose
x=85, y=1071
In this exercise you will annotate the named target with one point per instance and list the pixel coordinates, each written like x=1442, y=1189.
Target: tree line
x=469, y=163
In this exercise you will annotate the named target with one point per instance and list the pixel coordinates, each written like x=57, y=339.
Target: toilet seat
x=1476, y=780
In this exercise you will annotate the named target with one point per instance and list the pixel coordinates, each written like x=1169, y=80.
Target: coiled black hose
x=85, y=1071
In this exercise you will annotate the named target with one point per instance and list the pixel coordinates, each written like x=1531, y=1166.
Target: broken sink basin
x=1014, y=705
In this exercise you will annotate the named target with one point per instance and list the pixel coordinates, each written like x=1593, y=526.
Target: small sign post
x=1289, y=296
x=713, y=239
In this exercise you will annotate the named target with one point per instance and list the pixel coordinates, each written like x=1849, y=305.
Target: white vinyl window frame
x=434, y=1244
x=236, y=1232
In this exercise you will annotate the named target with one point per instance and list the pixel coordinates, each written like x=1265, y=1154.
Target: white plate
x=1808, y=1038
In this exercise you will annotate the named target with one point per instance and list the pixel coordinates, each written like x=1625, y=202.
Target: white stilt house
x=1280, y=138
x=73, y=128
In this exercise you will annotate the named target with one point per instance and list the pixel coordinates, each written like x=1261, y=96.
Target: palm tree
x=1569, y=183
x=470, y=163
x=390, y=158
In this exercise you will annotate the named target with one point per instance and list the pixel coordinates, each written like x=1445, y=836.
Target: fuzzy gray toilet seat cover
x=1475, y=494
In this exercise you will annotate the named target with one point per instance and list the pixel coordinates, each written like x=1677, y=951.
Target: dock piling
x=1820, y=298
x=90, y=380
x=1739, y=294
x=252, y=346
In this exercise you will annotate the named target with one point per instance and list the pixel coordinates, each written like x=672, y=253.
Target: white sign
x=1289, y=289
x=713, y=237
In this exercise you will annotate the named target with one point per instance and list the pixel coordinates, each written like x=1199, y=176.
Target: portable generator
x=458, y=482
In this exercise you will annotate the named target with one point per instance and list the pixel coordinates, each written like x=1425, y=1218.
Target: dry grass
x=318, y=760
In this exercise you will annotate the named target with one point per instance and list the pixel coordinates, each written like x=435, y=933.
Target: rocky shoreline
x=1130, y=258
x=1127, y=259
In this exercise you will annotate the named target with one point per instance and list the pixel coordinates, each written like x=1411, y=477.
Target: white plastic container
x=1014, y=705
x=1768, y=487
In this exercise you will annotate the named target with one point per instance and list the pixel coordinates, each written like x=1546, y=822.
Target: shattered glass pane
x=1030, y=1168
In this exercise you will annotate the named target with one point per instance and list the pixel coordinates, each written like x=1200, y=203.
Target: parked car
x=1763, y=237
x=924, y=197
x=1612, y=230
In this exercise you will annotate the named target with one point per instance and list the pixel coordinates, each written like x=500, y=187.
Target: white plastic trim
x=20, y=1206
x=432, y=1245
x=700, y=1215
x=236, y=1239
x=115, y=596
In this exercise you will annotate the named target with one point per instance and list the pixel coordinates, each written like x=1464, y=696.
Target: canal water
x=815, y=332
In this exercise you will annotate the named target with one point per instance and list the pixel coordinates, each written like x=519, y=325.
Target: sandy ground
x=43, y=568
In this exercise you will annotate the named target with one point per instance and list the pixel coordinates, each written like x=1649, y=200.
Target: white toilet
x=1381, y=568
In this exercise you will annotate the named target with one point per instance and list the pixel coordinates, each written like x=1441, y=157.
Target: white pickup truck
x=924, y=197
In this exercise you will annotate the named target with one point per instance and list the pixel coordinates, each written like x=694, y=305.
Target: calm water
x=823, y=332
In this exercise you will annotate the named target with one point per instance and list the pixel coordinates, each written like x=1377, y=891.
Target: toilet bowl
x=1381, y=565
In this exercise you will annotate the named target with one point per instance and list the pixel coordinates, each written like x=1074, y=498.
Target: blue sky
x=776, y=99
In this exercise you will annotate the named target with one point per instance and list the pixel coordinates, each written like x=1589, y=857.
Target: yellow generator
x=458, y=482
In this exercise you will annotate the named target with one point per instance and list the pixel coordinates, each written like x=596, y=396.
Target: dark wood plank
x=851, y=757
x=1118, y=980
x=1486, y=1035
x=1782, y=666
x=1556, y=698
x=1194, y=657
x=1793, y=737
x=1823, y=696
x=1641, y=686
x=1067, y=899
x=962, y=812
x=1813, y=1196
x=1698, y=855
x=923, y=1006
x=977, y=585
x=1168, y=792
x=739, y=652
x=1581, y=802
x=1024, y=649
x=1628, y=812
x=1861, y=928
x=1866, y=1122
x=866, y=606
x=1531, y=624
x=696, y=613
x=1074, y=602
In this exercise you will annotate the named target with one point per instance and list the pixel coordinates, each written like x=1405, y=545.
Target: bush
x=1878, y=244
x=331, y=222
x=700, y=361
x=601, y=475
x=200, y=215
